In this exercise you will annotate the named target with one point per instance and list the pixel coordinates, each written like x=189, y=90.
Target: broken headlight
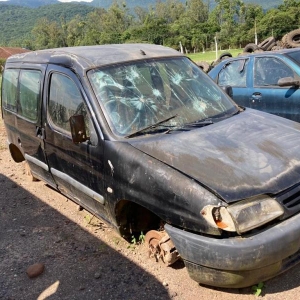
x=244, y=215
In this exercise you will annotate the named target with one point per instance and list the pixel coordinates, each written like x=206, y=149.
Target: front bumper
x=242, y=261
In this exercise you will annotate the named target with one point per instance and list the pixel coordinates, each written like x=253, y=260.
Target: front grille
x=290, y=200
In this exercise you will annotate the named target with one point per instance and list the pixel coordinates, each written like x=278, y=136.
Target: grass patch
x=210, y=56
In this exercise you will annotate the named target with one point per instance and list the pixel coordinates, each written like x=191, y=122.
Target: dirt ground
x=83, y=257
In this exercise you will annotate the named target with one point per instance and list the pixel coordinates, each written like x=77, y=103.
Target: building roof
x=5, y=52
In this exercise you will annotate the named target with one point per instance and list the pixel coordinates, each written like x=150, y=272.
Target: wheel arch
x=133, y=218
x=16, y=153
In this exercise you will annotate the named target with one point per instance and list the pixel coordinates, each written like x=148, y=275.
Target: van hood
x=246, y=155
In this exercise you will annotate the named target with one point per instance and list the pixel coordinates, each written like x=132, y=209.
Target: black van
x=138, y=135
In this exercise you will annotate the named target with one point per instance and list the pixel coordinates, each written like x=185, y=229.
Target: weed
x=88, y=218
x=142, y=238
x=257, y=289
x=134, y=242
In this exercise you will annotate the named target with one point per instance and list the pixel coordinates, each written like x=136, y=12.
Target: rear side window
x=268, y=70
x=21, y=92
x=9, y=89
x=29, y=93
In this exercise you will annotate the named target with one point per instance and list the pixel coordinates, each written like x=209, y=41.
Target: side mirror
x=78, y=129
x=288, y=81
x=228, y=90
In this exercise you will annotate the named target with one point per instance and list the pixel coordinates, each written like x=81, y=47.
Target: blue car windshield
x=138, y=94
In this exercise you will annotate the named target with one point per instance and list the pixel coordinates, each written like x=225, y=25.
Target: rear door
x=22, y=111
x=76, y=168
x=267, y=95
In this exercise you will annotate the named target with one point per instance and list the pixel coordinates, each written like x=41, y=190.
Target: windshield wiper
x=200, y=123
x=152, y=126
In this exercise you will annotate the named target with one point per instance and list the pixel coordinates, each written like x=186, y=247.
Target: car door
x=22, y=102
x=235, y=73
x=267, y=95
x=76, y=167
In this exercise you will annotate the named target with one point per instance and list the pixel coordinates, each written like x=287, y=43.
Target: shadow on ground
x=77, y=264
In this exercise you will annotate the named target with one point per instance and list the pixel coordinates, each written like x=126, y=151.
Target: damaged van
x=138, y=135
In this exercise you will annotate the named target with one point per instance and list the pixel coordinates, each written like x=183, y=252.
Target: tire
x=225, y=55
x=205, y=66
x=284, y=42
x=292, y=39
x=215, y=62
x=267, y=44
x=276, y=48
x=249, y=48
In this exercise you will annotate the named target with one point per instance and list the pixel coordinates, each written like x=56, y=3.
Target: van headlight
x=244, y=215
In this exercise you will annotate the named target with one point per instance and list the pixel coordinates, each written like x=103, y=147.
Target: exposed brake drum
x=161, y=247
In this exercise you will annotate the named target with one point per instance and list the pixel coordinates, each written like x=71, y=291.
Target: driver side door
x=77, y=168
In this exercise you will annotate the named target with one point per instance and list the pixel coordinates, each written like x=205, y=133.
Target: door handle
x=40, y=132
x=256, y=97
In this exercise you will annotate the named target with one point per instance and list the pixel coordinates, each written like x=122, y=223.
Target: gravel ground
x=83, y=257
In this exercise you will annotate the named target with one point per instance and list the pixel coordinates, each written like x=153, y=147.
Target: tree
x=227, y=15
x=47, y=34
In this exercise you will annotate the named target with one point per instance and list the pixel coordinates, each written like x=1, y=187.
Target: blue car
x=267, y=81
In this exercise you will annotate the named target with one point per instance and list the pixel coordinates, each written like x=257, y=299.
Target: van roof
x=85, y=57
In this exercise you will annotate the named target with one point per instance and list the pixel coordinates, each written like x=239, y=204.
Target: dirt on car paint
x=81, y=257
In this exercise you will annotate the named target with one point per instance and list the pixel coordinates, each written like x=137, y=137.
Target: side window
x=65, y=100
x=29, y=93
x=268, y=70
x=234, y=73
x=9, y=89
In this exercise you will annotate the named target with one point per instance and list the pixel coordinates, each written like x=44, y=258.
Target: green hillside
x=17, y=22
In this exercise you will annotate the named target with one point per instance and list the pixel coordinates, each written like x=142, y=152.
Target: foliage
x=17, y=22
x=2, y=63
x=257, y=289
x=191, y=25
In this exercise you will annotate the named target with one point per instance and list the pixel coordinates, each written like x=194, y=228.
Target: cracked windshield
x=165, y=94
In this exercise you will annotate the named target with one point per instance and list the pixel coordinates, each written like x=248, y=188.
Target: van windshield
x=138, y=94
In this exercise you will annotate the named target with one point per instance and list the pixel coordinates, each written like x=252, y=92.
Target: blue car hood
x=246, y=155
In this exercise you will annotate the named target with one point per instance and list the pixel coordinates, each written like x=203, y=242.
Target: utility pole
x=216, y=43
x=255, y=32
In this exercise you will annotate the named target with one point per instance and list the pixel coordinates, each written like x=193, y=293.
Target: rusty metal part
x=161, y=247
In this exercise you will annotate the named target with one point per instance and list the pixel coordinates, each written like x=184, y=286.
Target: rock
x=35, y=270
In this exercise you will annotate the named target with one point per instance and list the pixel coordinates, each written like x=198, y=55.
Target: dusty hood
x=249, y=154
